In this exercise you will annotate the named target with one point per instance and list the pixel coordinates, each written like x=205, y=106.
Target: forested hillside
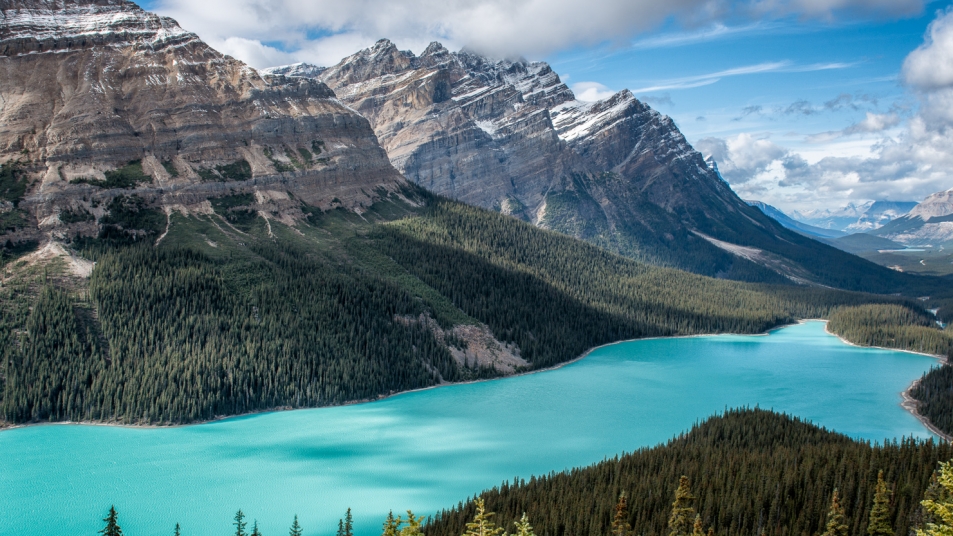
x=228, y=312
x=749, y=471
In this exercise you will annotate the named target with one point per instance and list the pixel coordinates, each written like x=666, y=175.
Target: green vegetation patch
x=934, y=392
x=13, y=184
x=239, y=170
x=13, y=220
x=236, y=209
x=170, y=168
x=280, y=166
x=77, y=215
x=128, y=176
x=129, y=220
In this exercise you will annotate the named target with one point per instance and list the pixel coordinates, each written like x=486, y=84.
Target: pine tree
x=240, y=523
x=348, y=524
x=697, y=529
x=177, y=531
x=681, y=522
x=391, y=525
x=481, y=524
x=112, y=524
x=836, y=525
x=254, y=529
x=340, y=527
x=879, y=524
x=414, y=525
x=523, y=528
x=295, y=528
x=939, y=504
x=620, y=523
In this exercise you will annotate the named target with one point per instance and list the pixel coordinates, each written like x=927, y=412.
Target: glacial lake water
x=428, y=450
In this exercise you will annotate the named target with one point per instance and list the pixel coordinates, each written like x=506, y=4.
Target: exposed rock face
x=510, y=136
x=87, y=86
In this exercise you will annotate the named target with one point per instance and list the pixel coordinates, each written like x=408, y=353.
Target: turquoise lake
x=429, y=449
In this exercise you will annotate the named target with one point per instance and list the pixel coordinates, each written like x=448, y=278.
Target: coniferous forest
x=230, y=314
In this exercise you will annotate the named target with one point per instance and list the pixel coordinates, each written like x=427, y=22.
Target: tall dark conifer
x=682, y=520
x=112, y=523
x=240, y=523
x=295, y=528
x=879, y=524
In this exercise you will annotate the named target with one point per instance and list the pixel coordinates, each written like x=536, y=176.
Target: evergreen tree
x=348, y=524
x=481, y=524
x=523, y=528
x=112, y=524
x=340, y=531
x=836, y=520
x=177, y=531
x=879, y=524
x=681, y=522
x=295, y=528
x=620, y=523
x=240, y=523
x=391, y=525
x=697, y=529
x=414, y=525
x=939, y=504
x=254, y=529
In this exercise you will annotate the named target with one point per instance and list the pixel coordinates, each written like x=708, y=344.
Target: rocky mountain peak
x=102, y=99
x=936, y=205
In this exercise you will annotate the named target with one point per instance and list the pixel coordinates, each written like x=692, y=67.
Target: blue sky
x=804, y=103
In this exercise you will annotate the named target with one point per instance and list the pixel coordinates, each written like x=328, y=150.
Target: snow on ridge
x=576, y=119
x=91, y=20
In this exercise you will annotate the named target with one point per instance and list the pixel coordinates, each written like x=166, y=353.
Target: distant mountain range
x=855, y=218
x=928, y=223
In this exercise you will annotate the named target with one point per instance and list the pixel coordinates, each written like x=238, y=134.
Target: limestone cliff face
x=88, y=86
x=510, y=136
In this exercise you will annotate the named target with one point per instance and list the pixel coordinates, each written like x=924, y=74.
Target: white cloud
x=742, y=157
x=496, y=27
x=930, y=66
x=591, y=91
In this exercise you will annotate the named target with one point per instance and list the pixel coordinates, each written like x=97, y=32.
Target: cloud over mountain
x=323, y=31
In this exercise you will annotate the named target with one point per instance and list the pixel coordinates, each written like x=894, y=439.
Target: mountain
x=856, y=218
x=790, y=223
x=102, y=100
x=928, y=223
x=508, y=135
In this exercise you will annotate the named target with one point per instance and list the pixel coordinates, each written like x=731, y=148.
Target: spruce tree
x=177, y=531
x=348, y=524
x=620, y=522
x=836, y=525
x=879, y=524
x=523, y=528
x=938, y=504
x=697, y=529
x=481, y=524
x=112, y=524
x=681, y=521
x=254, y=529
x=240, y=523
x=391, y=525
x=414, y=525
x=295, y=528
x=340, y=531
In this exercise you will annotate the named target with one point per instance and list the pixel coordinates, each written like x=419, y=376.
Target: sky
x=807, y=105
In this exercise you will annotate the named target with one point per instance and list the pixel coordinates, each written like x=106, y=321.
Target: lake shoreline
x=4, y=426
x=908, y=402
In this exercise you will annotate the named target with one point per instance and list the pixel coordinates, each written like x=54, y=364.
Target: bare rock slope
x=510, y=136
x=100, y=99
